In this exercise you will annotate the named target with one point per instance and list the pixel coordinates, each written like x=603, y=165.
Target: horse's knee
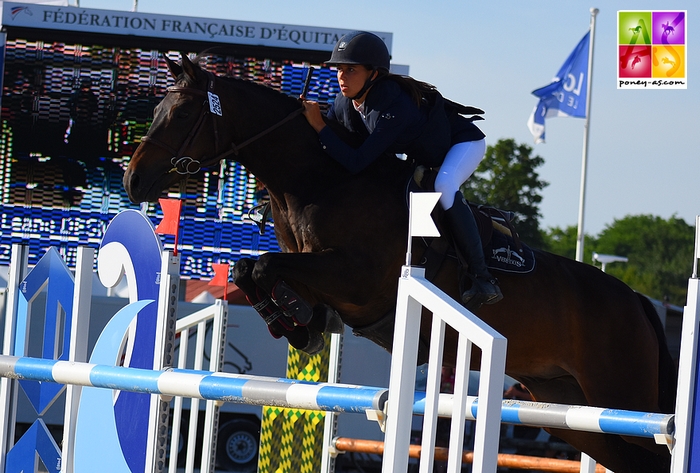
x=243, y=273
x=263, y=273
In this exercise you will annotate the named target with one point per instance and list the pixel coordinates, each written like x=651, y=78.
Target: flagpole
x=584, y=163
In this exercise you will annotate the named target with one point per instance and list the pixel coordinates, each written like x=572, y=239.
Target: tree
x=507, y=179
x=562, y=242
x=659, y=251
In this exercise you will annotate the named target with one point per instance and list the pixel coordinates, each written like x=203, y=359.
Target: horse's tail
x=668, y=374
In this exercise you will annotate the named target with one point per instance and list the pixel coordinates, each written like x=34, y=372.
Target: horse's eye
x=182, y=114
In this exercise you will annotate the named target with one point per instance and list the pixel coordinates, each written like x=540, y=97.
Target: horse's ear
x=175, y=68
x=188, y=67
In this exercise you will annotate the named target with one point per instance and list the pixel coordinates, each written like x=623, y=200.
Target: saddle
x=503, y=250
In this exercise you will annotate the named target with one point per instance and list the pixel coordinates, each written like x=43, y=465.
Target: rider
x=401, y=115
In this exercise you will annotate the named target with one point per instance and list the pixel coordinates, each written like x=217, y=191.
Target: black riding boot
x=484, y=288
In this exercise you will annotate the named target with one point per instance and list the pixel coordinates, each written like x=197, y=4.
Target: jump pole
x=517, y=462
x=329, y=397
x=214, y=386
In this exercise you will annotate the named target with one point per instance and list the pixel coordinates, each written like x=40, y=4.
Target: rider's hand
x=313, y=114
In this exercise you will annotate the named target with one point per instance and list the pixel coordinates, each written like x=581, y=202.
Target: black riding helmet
x=362, y=47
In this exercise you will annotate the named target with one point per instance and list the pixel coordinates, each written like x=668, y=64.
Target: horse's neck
x=288, y=158
x=289, y=161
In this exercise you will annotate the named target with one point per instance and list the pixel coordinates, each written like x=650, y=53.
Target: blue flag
x=566, y=95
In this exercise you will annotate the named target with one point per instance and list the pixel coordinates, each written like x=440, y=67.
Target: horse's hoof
x=310, y=342
x=242, y=274
x=316, y=343
x=299, y=338
x=332, y=323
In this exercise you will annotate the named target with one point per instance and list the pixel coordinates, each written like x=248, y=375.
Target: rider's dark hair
x=415, y=88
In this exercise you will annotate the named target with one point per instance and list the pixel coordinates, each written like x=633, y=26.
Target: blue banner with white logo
x=566, y=95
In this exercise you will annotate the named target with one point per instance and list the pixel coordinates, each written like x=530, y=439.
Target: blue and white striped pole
x=282, y=392
x=561, y=416
x=226, y=387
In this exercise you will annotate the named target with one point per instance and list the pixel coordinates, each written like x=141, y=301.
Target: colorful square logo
x=652, y=49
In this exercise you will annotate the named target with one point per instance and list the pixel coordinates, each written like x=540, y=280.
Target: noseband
x=210, y=106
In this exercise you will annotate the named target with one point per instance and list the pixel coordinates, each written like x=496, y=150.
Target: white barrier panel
x=687, y=450
x=416, y=292
x=217, y=315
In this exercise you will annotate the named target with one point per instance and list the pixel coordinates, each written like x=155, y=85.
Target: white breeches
x=460, y=163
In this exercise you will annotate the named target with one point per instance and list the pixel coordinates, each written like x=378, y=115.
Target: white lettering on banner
x=86, y=228
x=29, y=225
x=570, y=84
x=194, y=265
x=168, y=26
x=571, y=87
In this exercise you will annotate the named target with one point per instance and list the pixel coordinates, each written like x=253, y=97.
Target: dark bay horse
x=575, y=335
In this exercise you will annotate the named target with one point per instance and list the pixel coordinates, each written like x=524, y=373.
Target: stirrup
x=482, y=291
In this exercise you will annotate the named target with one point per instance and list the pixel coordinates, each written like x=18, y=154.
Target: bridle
x=211, y=106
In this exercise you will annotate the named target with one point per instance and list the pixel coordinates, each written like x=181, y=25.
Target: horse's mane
x=265, y=89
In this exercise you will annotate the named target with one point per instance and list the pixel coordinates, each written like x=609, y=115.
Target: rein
x=210, y=106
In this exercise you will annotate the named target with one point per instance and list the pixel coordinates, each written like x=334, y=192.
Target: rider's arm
x=396, y=125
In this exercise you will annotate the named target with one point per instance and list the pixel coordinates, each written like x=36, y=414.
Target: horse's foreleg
x=291, y=303
x=359, y=288
x=347, y=280
x=277, y=321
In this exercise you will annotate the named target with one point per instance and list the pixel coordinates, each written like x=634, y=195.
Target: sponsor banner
x=174, y=27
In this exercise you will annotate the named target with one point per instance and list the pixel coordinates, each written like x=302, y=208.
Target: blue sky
x=643, y=153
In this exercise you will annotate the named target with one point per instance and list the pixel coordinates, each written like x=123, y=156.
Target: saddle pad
x=501, y=254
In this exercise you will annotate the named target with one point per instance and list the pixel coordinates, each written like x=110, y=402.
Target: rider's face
x=351, y=78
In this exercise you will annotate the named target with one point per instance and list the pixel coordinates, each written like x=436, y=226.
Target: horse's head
x=204, y=118
x=182, y=138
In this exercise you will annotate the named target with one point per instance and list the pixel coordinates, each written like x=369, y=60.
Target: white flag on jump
x=420, y=221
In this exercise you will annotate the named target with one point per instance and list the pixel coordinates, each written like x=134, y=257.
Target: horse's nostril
x=131, y=183
x=134, y=182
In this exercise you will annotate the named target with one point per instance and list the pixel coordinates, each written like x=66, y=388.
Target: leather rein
x=210, y=106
